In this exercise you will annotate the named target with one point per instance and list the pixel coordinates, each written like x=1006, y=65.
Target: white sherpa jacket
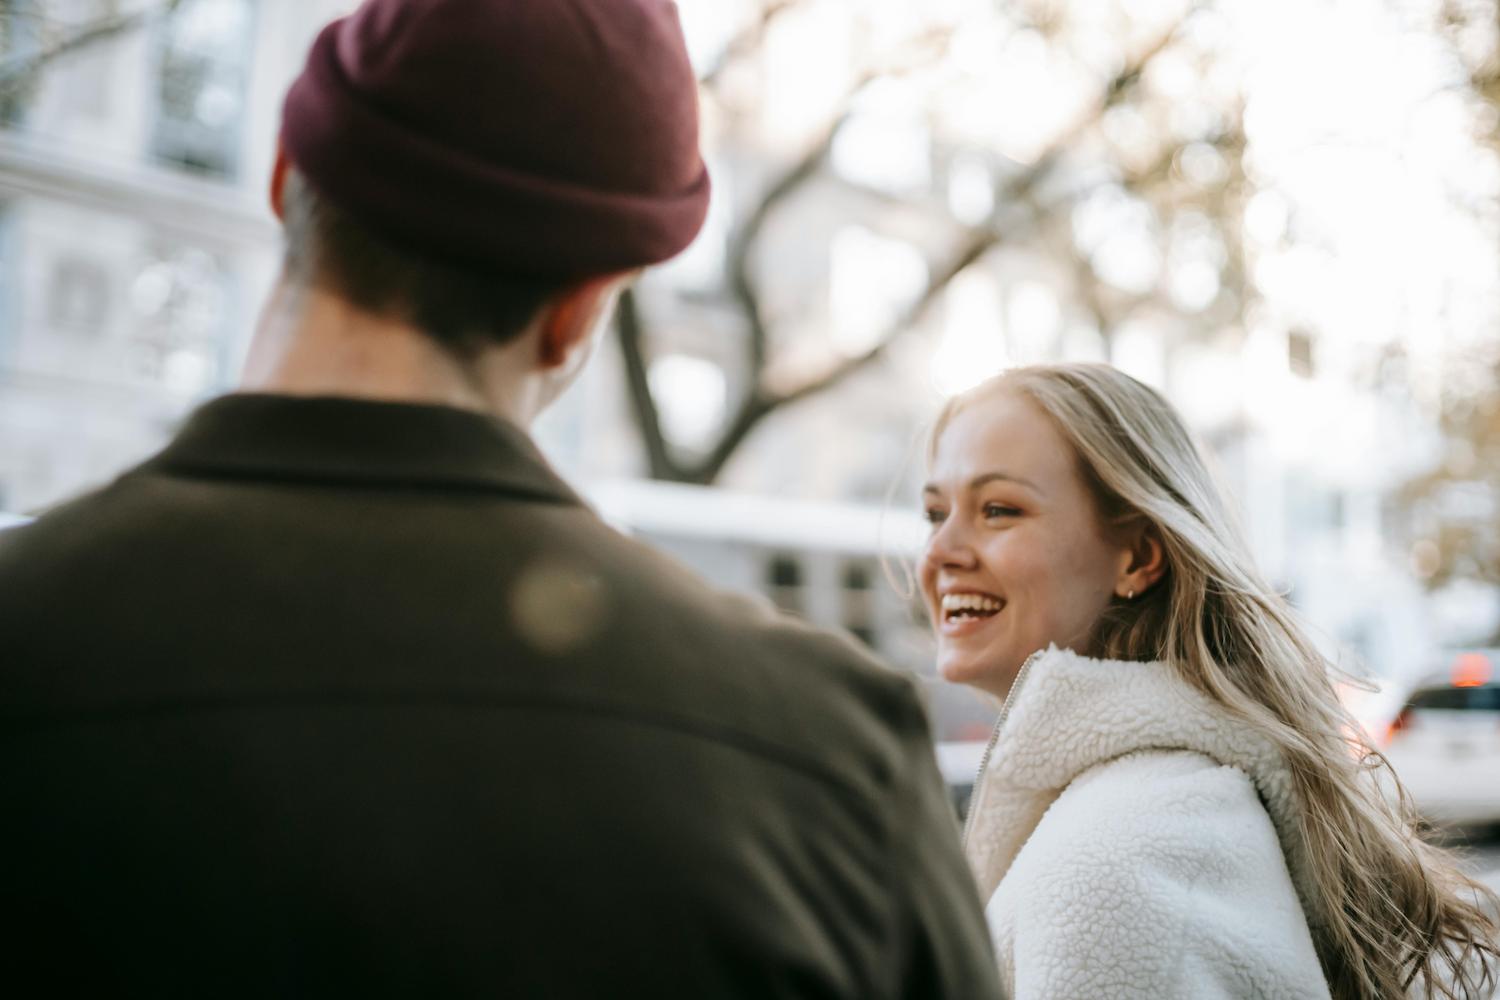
x=1135, y=841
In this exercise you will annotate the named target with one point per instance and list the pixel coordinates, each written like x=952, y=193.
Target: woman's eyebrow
x=991, y=477
x=988, y=477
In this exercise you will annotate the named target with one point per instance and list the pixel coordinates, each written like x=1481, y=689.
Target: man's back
x=342, y=695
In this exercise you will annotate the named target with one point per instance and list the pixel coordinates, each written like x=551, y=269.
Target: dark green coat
x=344, y=697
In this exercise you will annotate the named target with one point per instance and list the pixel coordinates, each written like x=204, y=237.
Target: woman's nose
x=949, y=547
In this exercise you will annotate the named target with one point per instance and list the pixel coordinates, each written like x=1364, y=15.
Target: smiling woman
x=1018, y=556
x=1172, y=805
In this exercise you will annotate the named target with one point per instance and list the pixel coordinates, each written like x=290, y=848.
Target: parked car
x=1444, y=744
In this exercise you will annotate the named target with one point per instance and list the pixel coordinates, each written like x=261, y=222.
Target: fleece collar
x=1069, y=714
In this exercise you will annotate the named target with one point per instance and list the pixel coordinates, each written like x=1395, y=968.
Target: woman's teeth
x=969, y=606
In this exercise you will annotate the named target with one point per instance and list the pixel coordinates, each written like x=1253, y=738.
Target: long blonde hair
x=1389, y=912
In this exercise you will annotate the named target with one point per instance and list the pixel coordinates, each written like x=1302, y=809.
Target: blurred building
x=135, y=242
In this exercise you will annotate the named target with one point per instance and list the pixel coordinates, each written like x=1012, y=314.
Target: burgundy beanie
x=548, y=138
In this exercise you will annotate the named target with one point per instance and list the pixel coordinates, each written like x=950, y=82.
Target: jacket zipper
x=984, y=760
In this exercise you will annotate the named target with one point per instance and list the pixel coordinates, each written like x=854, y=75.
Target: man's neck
x=312, y=343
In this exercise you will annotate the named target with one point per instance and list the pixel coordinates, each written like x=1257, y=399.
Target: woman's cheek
x=1020, y=563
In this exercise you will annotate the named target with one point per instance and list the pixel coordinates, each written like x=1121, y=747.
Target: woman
x=1173, y=805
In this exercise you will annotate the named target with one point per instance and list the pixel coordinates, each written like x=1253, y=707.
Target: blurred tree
x=1450, y=513
x=1128, y=178
x=1101, y=140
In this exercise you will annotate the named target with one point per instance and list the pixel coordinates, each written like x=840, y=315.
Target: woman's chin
x=962, y=670
x=980, y=672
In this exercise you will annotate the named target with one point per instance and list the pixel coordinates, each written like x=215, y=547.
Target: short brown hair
x=462, y=309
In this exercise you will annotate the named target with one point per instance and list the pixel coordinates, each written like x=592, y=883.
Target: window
x=859, y=601
x=181, y=298
x=78, y=295
x=10, y=265
x=785, y=580
x=204, y=50
x=1300, y=354
x=18, y=42
x=1458, y=699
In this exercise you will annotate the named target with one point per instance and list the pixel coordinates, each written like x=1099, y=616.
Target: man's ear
x=573, y=314
x=278, y=180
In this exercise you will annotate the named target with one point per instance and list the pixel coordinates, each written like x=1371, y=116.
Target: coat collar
x=1070, y=713
x=339, y=440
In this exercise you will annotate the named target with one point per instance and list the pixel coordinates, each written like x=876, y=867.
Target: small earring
x=1130, y=595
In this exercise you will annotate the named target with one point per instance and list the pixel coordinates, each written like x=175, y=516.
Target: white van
x=1444, y=743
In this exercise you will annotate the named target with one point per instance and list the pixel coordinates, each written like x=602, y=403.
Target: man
x=345, y=692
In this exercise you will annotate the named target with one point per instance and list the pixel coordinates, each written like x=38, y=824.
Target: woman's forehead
x=1002, y=431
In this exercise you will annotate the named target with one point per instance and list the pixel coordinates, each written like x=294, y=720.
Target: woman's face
x=1017, y=558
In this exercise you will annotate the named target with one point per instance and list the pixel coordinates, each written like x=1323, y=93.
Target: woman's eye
x=933, y=515
x=1000, y=510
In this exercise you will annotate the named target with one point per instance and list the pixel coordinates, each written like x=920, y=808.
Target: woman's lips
x=964, y=612
x=956, y=627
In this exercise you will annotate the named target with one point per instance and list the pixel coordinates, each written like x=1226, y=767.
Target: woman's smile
x=964, y=612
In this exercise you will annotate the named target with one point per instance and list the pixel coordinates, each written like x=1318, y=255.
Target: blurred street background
x=1284, y=215
x=1487, y=863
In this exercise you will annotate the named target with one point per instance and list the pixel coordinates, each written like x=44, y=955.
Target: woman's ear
x=1144, y=562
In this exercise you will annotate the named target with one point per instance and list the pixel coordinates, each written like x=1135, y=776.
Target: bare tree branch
x=643, y=404
x=742, y=283
x=759, y=404
x=742, y=246
x=755, y=408
x=746, y=41
x=630, y=324
x=18, y=72
x=1088, y=282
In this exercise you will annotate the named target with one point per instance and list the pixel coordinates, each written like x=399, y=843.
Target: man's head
x=462, y=309
x=466, y=166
